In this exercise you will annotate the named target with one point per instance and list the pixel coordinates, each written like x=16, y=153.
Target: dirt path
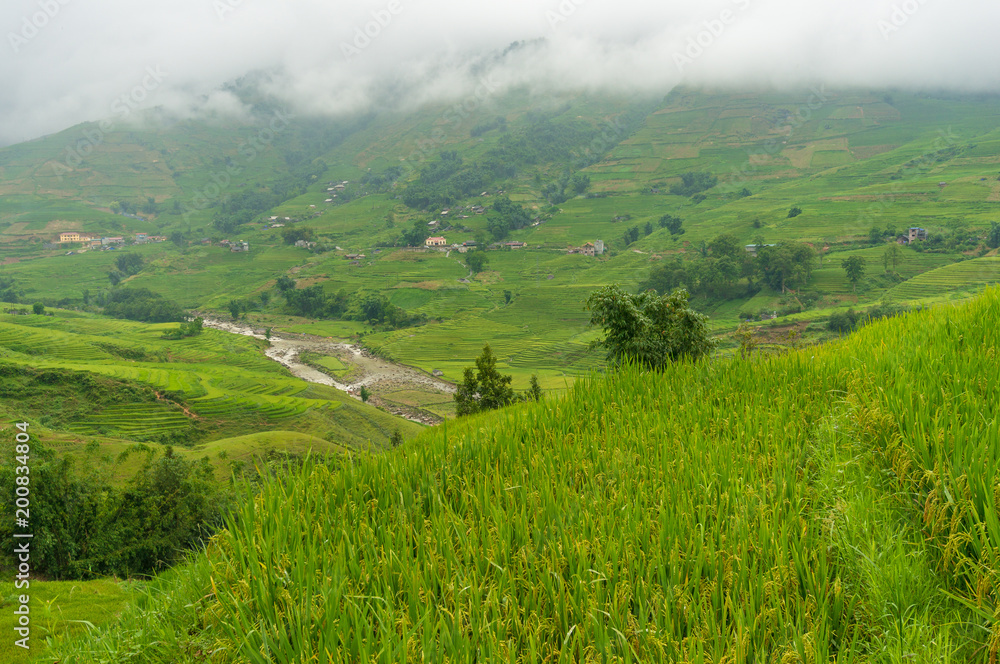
x=365, y=369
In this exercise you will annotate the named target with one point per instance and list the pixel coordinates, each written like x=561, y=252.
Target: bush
x=655, y=330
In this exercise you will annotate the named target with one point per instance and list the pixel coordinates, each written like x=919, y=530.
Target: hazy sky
x=67, y=61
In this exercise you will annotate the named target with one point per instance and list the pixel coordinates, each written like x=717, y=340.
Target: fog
x=69, y=61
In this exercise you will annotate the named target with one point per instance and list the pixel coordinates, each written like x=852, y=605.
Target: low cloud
x=68, y=61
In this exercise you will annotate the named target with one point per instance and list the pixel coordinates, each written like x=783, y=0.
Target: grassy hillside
x=832, y=504
x=851, y=160
x=84, y=378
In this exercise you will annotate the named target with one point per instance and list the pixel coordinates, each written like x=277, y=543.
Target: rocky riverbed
x=378, y=375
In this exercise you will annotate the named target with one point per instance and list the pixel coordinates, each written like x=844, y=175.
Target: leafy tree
x=38, y=308
x=854, y=266
x=507, y=295
x=365, y=394
x=115, y=277
x=631, y=235
x=477, y=261
x=794, y=212
x=177, y=238
x=285, y=284
x=9, y=292
x=534, y=389
x=483, y=388
x=129, y=263
x=693, y=183
x=746, y=335
x=396, y=439
x=785, y=265
x=875, y=235
x=580, y=183
x=295, y=234
x=993, y=237
x=727, y=245
x=672, y=224
x=892, y=254
x=744, y=192
x=652, y=329
x=415, y=236
x=648, y=228
x=141, y=304
x=234, y=308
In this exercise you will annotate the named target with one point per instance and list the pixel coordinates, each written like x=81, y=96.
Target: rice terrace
x=500, y=333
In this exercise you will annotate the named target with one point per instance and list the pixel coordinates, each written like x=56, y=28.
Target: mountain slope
x=820, y=505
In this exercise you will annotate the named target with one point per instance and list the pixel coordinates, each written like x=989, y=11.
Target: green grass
x=225, y=385
x=59, y=609
x=797, y=508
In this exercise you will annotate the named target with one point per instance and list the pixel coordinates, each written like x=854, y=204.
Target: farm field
x=635, y=518
x=857, y=160
x=189, y=392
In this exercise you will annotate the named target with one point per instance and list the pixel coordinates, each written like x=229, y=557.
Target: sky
x=63, y=62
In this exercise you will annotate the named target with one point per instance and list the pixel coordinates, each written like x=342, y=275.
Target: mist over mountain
x=69, y=62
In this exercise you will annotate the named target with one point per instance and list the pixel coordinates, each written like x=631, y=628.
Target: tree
x=483, y=388
x=672, y=224
x=507, y=295
x=396, y=439
x=631, y=235
x=476, y=261
x=299, y=233
x=745, y=334
x=38, y=308
x=115, y=277
x=794, y=212
x=285, y=284
x=892, y=254
x=534, y=389
x=652, y=329
x=993, y=237
x=129, y=263
x=875, y=235
x=234, y=308
x=854, y=266
x=648, y=228
x=177, y=238
x=785, y=265
x=365, y=394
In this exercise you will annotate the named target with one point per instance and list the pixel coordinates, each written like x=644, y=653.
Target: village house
x=141, y=237
x=589, y=249
x=752, y=248
x=239, y=246
x=916, y=234
x=73, y=236
x=435, y=242
x=515, y=244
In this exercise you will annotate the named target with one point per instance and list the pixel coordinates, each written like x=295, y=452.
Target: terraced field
x=964, y=276
x=212, y=386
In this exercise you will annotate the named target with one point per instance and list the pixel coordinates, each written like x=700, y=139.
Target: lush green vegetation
x=795, y=508
x=569, y=174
